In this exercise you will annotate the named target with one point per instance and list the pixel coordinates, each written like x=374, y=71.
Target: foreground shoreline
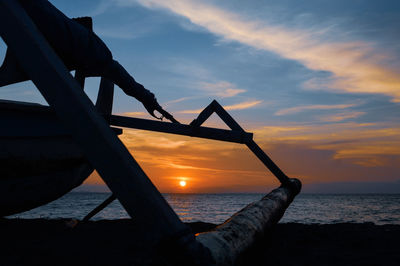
x=120, y=242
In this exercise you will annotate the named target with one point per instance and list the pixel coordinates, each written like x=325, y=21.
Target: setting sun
x=182, y=183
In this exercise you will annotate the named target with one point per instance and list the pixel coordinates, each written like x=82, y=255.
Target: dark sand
x=119, y=242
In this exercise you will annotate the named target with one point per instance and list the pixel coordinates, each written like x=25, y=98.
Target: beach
x=121, y=242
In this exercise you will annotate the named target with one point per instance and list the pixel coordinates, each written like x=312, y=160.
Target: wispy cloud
x=298, y=109
x=141, y=138
x=238, y=106
x=179, y=100
x=134, y=114
x=243, y=105
x=341, y=116
x=355, y=66
x=222, y=89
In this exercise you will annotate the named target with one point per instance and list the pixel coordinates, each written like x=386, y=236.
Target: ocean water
x=216, y=208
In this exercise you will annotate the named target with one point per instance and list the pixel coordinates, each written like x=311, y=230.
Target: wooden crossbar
x=181, y=129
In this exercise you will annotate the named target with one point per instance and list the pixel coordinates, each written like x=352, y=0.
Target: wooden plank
x=180, y=129
x=101, y=146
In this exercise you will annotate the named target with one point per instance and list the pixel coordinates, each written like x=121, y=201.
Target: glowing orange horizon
x=356, y=153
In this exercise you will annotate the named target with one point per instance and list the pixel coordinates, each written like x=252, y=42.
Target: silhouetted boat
x=39, y=161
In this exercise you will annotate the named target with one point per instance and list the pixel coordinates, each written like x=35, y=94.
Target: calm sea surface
x=216, y=208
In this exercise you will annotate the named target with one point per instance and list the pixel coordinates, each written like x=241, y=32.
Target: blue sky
x=321, y=77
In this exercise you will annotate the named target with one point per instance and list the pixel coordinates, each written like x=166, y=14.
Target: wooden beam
x=105, y=97
x=104, y=150
x=204, y=115
x=226, y=117
x=181, y=129
x=264, y=158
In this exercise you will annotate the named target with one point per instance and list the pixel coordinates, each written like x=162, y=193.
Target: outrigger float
x=46, y=151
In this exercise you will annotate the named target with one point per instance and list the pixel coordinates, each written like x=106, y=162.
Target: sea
x=216, y=208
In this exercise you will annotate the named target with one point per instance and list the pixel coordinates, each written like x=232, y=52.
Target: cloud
x=134, y=114
x=355, y=66
x=222, y=89
x=182, y=99
x=207, y=164
x=141, y=138
x=298, y=109
x=243, y=105
x=362, y=144
x=341, y=116
x=238, y=106
x=197, y=79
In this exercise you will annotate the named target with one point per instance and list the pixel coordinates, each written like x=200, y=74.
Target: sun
x=182, y=183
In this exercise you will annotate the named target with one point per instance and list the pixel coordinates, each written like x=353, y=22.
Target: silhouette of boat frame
x=39, y=161
x=60, y=145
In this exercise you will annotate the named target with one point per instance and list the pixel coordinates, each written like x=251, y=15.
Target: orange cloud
x=243, y=105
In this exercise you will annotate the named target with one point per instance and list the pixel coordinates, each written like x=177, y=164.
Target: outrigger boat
x=48, y=150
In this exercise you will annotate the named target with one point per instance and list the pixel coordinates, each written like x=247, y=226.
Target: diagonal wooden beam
x=104, y=150
x=264, y=158
x=226, y=117
x=204, y=115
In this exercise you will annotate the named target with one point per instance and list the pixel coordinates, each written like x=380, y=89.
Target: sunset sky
x=316, y=81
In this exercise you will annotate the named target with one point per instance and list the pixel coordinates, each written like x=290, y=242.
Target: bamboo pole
x=242, y=230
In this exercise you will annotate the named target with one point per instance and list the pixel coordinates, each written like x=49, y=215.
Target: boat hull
x=39, y=161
